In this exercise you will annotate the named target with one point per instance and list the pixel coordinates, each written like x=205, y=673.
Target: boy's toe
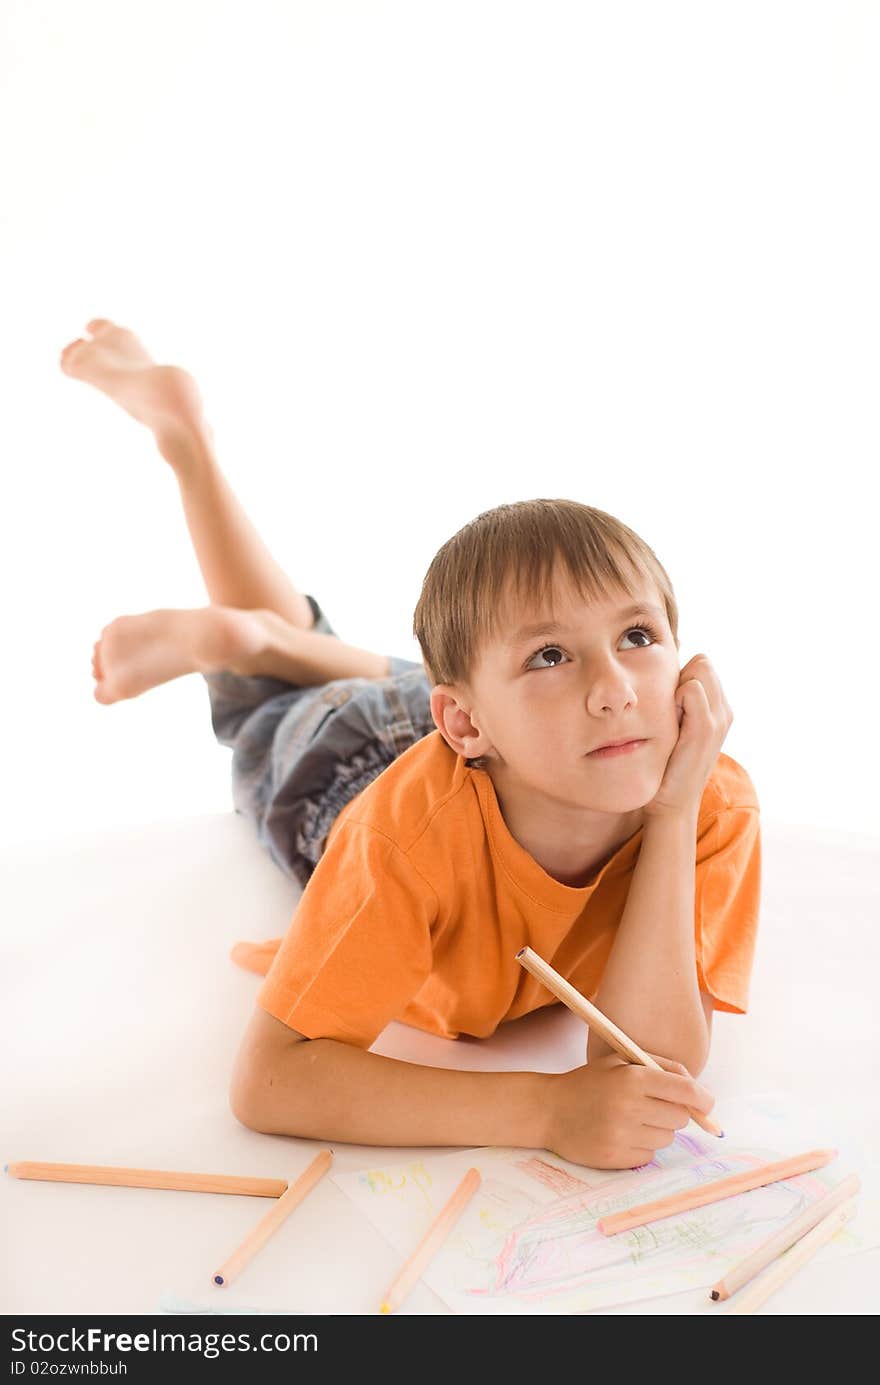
x=70, y=351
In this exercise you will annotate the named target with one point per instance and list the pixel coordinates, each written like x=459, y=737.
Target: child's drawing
x=527, y=1242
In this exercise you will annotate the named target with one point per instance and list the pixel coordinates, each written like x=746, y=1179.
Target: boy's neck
x=569, y=845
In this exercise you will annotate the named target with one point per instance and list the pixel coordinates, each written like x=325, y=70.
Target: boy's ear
x=453, y=721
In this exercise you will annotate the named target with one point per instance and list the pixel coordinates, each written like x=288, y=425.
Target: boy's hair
x=515, y=551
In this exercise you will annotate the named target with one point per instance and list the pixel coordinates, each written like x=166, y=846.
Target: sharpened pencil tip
x=218, y=1279
x=386, y=1308
x=715, y=1295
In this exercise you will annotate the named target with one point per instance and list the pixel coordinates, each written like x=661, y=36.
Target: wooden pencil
x=786, y=1236
x=273, y=1219
x=792, y=1260
x=149, y=1178
x=715, y=1191
x=601, y=1024
x=430, y=1242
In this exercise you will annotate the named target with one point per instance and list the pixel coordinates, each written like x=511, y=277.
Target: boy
x=443, y=815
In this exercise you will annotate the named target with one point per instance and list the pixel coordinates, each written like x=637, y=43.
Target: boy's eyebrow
x=553, y=627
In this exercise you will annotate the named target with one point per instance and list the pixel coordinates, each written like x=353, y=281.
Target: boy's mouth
x=617, y=748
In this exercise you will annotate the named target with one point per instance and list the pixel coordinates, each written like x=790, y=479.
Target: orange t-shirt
x=422, y=898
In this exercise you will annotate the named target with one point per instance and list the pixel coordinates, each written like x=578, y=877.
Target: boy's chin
x=616, y=802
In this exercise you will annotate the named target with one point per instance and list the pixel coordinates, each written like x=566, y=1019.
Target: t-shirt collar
x=524, y=870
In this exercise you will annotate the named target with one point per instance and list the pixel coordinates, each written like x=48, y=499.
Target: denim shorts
x=299, y=754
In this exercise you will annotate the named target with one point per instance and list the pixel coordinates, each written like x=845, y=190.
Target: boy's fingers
x=666, y=1115
x=683, y=1090
x=670, y=1064
x=704, y=1095
x=674, y=1084
x=638, y=1158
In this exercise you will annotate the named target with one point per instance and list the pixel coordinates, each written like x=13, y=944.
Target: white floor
x=123, y=1013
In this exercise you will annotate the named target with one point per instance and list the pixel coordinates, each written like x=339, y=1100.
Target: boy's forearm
x=325, y=1090
x=650, y=987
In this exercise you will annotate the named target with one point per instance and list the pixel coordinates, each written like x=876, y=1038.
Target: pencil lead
x=386, y=1308
x=715, y=1294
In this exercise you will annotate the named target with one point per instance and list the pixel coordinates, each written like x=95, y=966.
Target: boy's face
x=541, y=700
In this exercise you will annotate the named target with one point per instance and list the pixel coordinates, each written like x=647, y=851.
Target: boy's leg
x=237, y=568
x=139, y=652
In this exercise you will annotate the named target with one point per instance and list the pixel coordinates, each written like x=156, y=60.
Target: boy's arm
x=285, y=1084
x=606, y=1115
x=649, y=987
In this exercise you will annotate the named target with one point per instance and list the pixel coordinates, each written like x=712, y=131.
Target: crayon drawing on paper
x=527, y=1242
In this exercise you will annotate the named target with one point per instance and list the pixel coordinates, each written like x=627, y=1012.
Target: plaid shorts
x=299, y=754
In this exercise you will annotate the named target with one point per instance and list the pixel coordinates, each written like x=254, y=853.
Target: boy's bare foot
x=135, y=653
x=139, y=652
x=163, y=397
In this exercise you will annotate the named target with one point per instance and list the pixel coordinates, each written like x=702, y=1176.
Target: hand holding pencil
x=609, y=1114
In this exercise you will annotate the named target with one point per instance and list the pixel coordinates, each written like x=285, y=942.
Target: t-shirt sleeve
x=358, y=948
x=727, y=900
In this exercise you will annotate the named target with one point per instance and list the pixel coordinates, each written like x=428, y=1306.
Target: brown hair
x=525, y=543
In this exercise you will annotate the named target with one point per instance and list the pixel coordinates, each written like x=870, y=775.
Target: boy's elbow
x=694, y=1056
x=261, y=1077
x=245, y=1089
x=700, y=1055
x=243, y=1105
x=263, y=1103
x=698, y=1062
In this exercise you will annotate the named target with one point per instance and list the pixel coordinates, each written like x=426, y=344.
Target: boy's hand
x=704, y=719
x=611, y=1114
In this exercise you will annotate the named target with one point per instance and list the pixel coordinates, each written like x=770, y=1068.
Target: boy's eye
x=548, y=649
x=555, y=649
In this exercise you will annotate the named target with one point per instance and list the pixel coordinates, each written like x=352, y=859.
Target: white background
x=424, y=259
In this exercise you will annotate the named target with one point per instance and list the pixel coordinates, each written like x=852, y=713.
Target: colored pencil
x=273, y=1218
x=149, y=1178
x=789, y=1263
x=715, y=1191
x=601, y=1024
x=430, y=1242
x=768, y=1250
